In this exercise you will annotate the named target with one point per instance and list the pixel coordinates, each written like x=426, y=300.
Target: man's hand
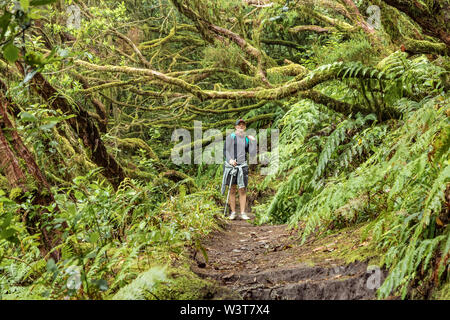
x=233, y=162
x=252, y=138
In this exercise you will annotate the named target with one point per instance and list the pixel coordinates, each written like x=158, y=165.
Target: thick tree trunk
x=83, y=125
x=434, y=18
x=9, y=163
x=99, y=106
x=11, y=150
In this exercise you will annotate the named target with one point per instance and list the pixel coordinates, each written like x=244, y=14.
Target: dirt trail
x=266, y=262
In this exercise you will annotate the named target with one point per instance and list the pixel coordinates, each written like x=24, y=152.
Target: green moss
x=443, y=293
x=357, y=48
x=183, y=284
x=4, y=184
x=67, y=149
x=136, y=143
x=14, y=193
x=343, y=246
x=423, y=46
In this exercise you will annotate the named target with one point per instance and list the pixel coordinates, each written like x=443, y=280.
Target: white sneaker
x=244, y=216
x=232, y=216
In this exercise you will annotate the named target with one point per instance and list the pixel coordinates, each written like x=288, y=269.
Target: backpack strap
x=235, y=146
x=247, y=142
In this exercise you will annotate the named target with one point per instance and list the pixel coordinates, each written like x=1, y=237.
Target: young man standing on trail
x=235, y=149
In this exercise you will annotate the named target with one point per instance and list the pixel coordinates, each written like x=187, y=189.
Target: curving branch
x=312, y=28
x=99, y=106
x=230, y=110
x=82, y=124
x=206, y=141
x=285, y=90
x=221, y=34
x=358, y=18
x=433, y=17
x=422, y=46
x=347, y=108
x=144, y=72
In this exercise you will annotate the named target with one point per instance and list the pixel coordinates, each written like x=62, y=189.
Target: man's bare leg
x=242, y=201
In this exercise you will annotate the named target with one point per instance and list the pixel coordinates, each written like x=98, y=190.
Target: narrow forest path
x=267, y=262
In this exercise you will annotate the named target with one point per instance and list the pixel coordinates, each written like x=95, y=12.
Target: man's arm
x=227, y=149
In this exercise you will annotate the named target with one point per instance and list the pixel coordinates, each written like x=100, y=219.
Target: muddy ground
x=267, y=262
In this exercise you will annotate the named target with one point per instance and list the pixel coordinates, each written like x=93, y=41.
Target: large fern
x=392, y=174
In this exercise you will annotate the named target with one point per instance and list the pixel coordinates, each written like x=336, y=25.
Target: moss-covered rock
x=183, y=284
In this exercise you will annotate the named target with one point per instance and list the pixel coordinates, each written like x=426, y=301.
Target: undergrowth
x=394, y=175
x=117, y=244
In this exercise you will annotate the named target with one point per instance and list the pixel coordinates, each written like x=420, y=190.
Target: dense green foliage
x=364, y=128
x=112, y=236
x=343, y=171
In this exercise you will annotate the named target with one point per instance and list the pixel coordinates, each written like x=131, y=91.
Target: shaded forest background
x=91, y=205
